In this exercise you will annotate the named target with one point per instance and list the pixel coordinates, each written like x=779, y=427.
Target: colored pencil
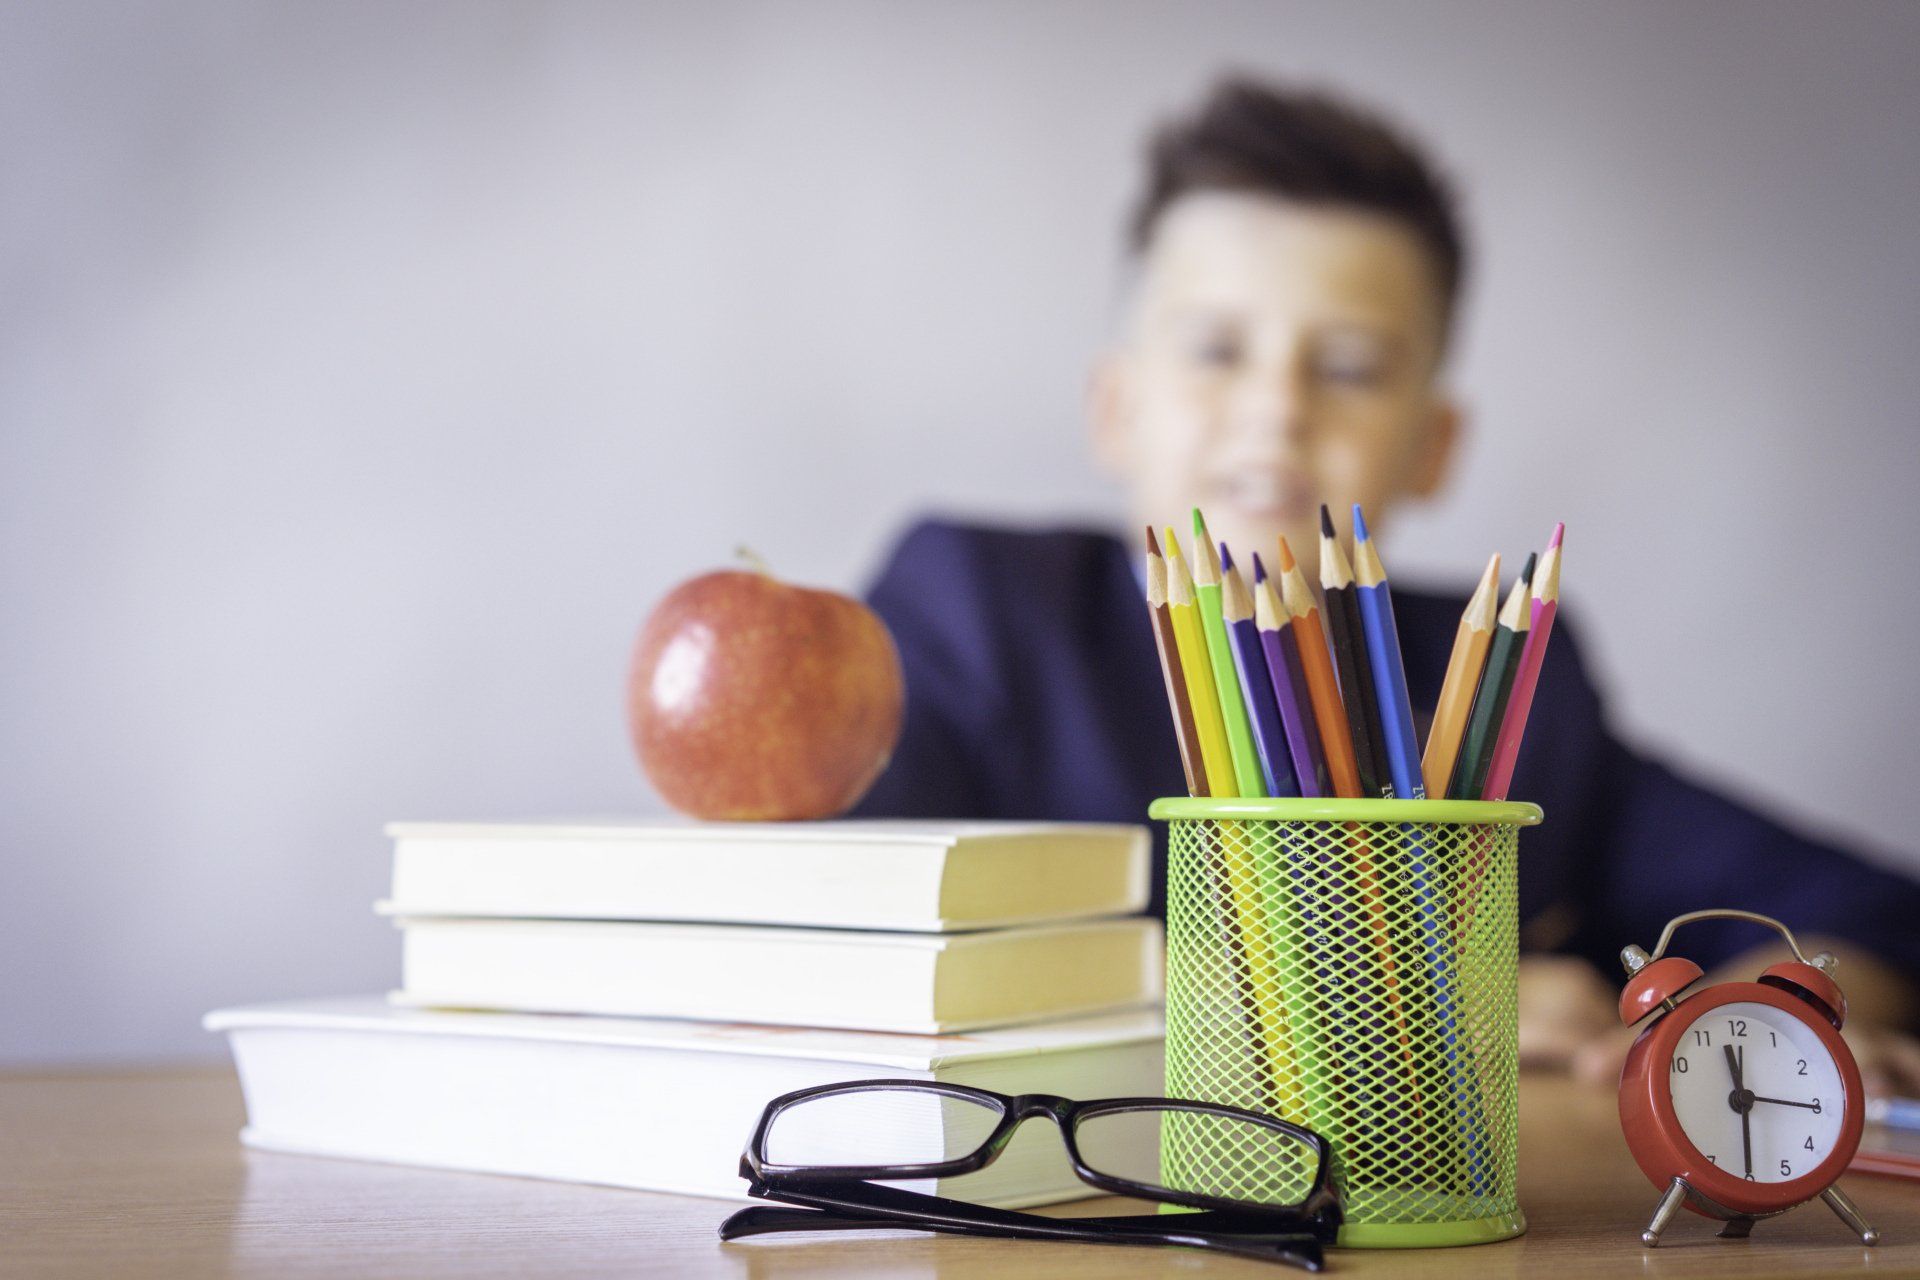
x=1250, y=941
x=1216, y=756
x=1350, y=657
x=1389, y=676
x=1289, y=685
x=1323, y=688
x=1256, y=685
x=1179, y=698
x=1526, y=677
x=1469, y=659
x=1496, y=682
x=1233, y=706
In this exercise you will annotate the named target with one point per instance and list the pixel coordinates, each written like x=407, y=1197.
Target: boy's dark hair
x=1304, y=146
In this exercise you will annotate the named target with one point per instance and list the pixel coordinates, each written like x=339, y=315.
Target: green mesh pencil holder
x=1351, y=965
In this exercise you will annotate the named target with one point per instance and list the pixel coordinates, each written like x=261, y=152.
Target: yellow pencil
x=1215, y=755
x=1233, y=706
x=1250, y=940
x=1470, y=644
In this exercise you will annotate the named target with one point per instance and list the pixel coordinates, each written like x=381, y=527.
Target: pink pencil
x=1546, y=601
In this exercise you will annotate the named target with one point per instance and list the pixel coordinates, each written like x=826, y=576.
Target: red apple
x=754, y=700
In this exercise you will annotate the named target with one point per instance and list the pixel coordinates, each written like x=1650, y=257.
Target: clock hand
x=1737, y=1064
x=1785, y=1103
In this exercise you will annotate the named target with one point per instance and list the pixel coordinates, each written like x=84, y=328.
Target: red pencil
x=1546, y=602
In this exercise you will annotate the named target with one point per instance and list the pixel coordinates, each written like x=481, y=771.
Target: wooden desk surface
x=141, y=1173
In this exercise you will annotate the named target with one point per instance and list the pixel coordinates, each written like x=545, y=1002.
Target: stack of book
x=615, y=1003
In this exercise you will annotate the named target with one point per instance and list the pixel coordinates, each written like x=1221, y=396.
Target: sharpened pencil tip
x=1172, y=543
x=1259, y=570
x=1200, y=527
x=1359, y=524
x=1526, y=570
x=1226, y=559
x=1326, y=522
x=1153, y=544
x=1287, y=562
x=1558, y=529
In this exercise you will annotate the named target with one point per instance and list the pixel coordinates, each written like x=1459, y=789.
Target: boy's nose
x=1273, y=405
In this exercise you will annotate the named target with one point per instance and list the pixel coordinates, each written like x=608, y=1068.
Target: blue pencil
x=1402, y=748
x=1269, y=734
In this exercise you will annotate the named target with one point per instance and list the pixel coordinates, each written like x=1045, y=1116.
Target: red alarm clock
x=1739, y=1100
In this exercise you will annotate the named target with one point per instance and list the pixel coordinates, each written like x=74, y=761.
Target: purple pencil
x=1256, y=686
x=1289, y=678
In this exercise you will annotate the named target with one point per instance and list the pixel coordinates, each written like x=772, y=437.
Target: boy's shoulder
x=945, y=546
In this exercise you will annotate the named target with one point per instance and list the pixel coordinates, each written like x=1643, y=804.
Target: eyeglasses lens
x=879, y=1127
x=1200, y=1153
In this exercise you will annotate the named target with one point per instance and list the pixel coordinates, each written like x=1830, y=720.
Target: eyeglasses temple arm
x=893, y=1208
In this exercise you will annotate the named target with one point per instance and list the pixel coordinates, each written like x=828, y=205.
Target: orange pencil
x=1329, y=713
x=1470, y=644
x=1178, y=700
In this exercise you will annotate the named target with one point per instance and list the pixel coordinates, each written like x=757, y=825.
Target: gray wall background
x=366, y=370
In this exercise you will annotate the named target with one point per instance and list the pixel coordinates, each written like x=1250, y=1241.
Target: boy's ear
x=1109, y=413
x=1439, y=445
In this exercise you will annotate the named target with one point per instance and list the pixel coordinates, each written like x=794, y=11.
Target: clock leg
x=1738, y=1227
x=1850, y=1214
x=1669, y=1205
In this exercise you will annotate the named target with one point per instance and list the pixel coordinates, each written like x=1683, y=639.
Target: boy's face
x=1277, y=356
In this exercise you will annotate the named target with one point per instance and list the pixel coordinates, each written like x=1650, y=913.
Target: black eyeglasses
x=1259, y=1186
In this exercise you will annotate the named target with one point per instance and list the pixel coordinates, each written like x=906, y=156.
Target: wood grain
x=141, y=1174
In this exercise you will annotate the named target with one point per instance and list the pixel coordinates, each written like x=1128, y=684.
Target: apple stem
x=752, y=560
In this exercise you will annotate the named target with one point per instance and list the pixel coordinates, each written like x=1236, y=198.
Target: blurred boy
x=1298, y=270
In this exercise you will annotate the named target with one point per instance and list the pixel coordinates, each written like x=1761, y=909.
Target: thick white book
x=920, y=983
x=651, y=1104
x=854, y=874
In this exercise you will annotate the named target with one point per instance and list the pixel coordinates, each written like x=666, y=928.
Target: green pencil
x=1226, y=680
x=1490, y=699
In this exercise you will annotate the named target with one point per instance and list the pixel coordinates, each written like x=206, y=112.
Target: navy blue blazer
x=1033, y=691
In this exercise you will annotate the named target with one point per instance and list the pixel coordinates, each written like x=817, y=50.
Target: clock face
x=1757, y=1092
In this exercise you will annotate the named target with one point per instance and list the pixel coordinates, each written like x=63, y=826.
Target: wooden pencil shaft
x=1179, y=701
x=1296, y=711
x=1496, y=683
x=1195, y=665
x=1464, y=666
x=1226, y=683
x=1513, y=722
x=1483, y=722
x=1356, y=689
x=1269, y=737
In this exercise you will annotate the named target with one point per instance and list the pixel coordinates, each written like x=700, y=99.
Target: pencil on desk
x=1375, y=598
x=1179, y=698
x=1323, y=688
x=1250, y=663
x=1468, y=660
x=1233, y=707
x=1216, y=756
x=1289, y=685
x=1350, y=654
x=1496, y=682
x=1526, y=675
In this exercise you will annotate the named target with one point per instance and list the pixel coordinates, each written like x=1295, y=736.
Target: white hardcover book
x=853, y=874
x=656, y=1105
x=920, y=983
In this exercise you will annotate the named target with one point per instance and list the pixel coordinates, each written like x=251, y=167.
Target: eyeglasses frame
x=1321, y=1200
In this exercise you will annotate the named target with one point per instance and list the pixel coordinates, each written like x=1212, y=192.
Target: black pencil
x=1350, y=659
